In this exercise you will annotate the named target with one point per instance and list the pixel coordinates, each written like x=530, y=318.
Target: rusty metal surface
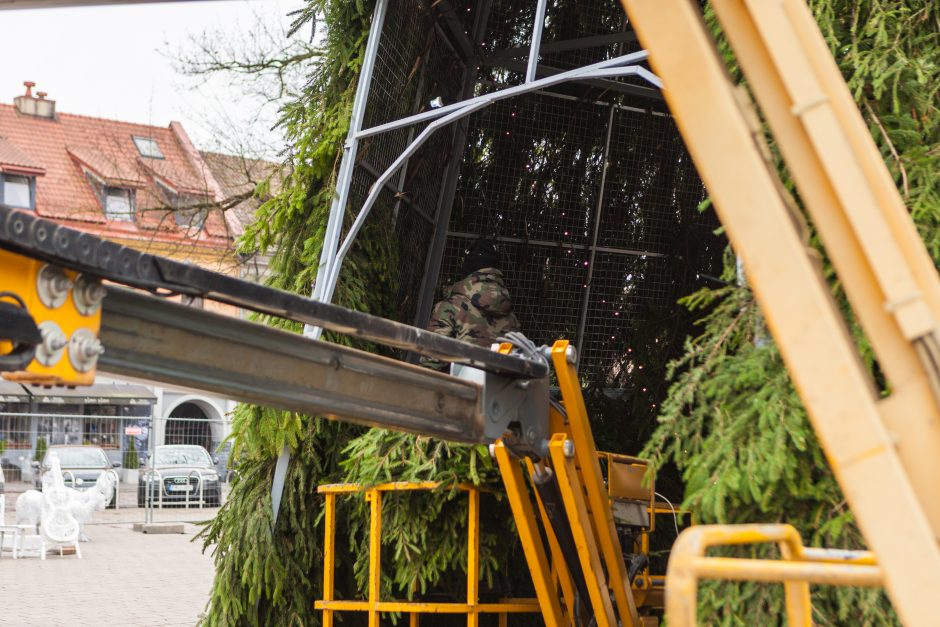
x=154, y=339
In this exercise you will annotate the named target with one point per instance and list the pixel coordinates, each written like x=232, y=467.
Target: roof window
x=17, y=191
x=147, y=147
x=119, y=204
x=189, y=211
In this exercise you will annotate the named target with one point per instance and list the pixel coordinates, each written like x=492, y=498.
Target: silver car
x=178, y=473
x=81, y=466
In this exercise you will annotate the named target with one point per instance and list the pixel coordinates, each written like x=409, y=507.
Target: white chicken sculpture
x=81, y=505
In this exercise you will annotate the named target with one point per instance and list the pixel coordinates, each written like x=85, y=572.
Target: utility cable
x=675, y=517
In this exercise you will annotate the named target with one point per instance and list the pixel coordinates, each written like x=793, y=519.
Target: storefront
x=117, y=417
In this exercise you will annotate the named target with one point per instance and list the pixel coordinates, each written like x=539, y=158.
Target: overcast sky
x=112, y=62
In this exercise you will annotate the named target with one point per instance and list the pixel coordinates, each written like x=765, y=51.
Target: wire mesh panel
x=565, y=22
x=587, y=186
x=532, y=169
x=597, y=258
x=186, y=451
x=416, y=68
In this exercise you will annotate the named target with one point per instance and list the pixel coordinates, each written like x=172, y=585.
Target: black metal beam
x=432, y=266
x=453, y=30
x=151, y=338
x=38, y=238
x=565, y=45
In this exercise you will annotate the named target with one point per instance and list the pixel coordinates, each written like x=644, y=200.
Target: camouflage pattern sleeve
x=477, y=310
x=443, y=322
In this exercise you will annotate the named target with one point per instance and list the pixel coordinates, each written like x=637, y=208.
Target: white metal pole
x=334, y=224
x=536, y=42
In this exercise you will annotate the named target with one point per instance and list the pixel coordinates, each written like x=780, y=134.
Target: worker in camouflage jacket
x=476, y=309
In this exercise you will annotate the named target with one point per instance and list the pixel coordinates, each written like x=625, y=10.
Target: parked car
x=81, y=467
x=181, y=470
x=11, y=471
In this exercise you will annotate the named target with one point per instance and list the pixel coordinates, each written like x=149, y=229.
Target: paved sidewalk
x=125, y=578
x=128, y=511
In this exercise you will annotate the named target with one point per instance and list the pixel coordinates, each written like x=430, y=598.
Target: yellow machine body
x=20, y=276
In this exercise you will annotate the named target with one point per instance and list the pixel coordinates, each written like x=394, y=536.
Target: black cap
x=483, y=254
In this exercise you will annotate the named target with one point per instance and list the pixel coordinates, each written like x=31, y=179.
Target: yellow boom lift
x=59, y=324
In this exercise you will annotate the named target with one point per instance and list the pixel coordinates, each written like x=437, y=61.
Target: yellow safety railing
x=329, y=605
x=798, y=567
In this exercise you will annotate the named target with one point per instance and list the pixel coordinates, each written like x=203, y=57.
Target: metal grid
x=446, y=51
x=587, y=255
x=602, y=27
x=649, y=168
x=578, y=20
x=532, y=169
x=414, y=66
x=532, y=176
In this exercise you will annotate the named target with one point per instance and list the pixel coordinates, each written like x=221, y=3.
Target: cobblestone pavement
x=125, y=577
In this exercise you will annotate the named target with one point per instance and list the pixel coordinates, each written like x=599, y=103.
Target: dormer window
x=148, y=147
x=189, y=212
x=119, y=204
x=18, y=191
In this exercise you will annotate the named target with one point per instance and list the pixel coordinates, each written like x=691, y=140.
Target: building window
x=104, y=428
x=119, y=204
x=60, y=429
x=17, y=191
x=187, y=212
x=191, y=218
x=14, y=426
x=148, y=147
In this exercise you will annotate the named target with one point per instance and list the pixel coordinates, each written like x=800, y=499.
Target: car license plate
x=181, y=488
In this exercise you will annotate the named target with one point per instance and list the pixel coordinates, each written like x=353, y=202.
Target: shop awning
x=12, y=392
x=98, y=394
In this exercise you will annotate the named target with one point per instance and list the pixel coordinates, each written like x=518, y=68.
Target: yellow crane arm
x=885, y=452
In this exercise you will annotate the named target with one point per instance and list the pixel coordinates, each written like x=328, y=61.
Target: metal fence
x=138, y=447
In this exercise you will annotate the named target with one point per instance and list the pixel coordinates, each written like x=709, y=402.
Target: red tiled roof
x=13, y=159
x=109, y=166
x=66, y=145
x=239, y=175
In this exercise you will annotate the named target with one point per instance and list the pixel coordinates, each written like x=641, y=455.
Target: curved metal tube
x=611, y=68
x=798, y=567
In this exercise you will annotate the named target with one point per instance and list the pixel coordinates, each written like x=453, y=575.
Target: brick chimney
x=36, y=106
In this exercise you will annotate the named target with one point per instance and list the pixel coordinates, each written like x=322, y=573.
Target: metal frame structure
x=374, y=605
x=798, y=567
x=336, y=247
x=335, y=253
